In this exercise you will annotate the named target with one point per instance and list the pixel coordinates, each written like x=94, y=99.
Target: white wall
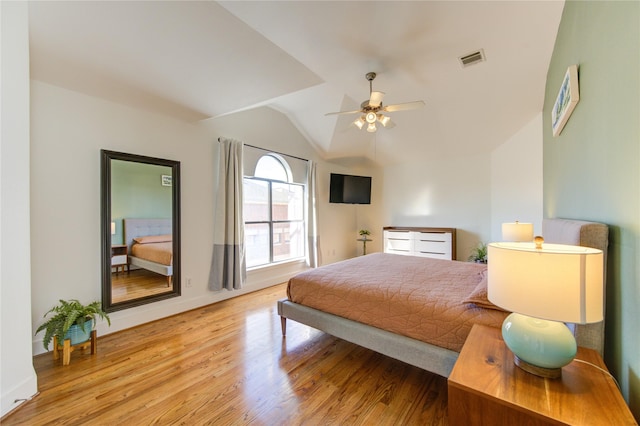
x=516, y=180
x=18, y=380
x=474, y=194
x=68, y=131
x=442, y=192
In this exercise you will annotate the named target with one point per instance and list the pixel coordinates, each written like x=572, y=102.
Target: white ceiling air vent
x=472, y=58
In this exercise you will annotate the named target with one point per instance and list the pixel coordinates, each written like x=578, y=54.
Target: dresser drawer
x=402, y=252
x=434, y=244
x=434, y=247
x=425, y=242
x=397, y=245
x=119, y=260
x=398, y=235
x=399, y=242
x=442, y=237
x=432, y=255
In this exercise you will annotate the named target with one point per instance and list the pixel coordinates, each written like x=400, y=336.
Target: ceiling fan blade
x=376, y=99
x=344, y=112
x=404, y=106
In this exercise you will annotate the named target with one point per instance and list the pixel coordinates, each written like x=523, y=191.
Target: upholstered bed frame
x=134, y=228
x=433, y=358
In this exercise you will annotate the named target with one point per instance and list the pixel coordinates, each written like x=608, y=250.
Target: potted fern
x=71, y=320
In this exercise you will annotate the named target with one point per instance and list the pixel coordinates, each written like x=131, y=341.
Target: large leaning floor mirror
x=140, y=226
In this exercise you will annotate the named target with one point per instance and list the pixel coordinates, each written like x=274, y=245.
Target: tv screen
x=349, y=189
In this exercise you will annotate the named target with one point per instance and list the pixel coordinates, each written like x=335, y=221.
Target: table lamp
x=544, y=286
x=517, y=232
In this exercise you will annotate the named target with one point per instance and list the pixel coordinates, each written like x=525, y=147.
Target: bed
x=150, y=245
x=428, y=335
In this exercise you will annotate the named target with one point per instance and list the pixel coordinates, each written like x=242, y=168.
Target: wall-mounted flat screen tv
x=349, y=189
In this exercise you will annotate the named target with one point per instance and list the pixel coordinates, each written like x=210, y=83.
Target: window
x=273, y=214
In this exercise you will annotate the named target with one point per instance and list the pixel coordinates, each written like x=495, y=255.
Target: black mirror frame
x=105, y=226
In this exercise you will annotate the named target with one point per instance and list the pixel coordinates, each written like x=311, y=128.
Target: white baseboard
x=15, y=397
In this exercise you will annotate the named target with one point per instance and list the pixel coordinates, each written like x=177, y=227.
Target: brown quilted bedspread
x=154, y=252
x=418, y=297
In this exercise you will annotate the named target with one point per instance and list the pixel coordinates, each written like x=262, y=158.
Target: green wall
x=591, y=170
x=137, y=192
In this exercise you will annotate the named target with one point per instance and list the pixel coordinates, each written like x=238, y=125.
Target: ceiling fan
x=372, y=108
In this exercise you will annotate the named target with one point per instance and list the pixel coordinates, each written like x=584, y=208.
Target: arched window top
x=274, y=167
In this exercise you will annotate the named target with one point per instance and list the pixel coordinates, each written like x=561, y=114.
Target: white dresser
x=439, y=243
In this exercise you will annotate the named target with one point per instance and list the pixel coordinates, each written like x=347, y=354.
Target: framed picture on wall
x=566, y=101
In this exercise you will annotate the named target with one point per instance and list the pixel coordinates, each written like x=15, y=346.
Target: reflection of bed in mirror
x=150, y=245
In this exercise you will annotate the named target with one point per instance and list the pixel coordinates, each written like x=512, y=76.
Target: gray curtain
x=228, y=263
x=313, y=249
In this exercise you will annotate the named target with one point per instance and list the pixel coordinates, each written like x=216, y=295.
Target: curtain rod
x=275, y=152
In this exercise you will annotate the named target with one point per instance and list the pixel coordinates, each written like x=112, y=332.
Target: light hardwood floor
x=136, y=284
x=228, y=364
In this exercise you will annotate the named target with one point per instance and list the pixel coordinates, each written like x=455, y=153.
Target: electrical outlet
x=188, y=282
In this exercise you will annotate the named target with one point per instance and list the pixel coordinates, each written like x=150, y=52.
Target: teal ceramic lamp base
x=540, y=347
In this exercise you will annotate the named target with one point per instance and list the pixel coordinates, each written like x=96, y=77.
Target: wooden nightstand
x=120, y=257
x=487, y=388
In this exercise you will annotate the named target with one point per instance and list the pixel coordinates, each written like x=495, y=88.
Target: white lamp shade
x=113, y=228
x=517, y=232
x=558, y=282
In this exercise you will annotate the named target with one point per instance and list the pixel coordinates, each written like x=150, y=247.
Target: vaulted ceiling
x=202, y=60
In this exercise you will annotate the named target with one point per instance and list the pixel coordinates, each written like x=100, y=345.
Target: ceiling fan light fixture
x=384, y=120
x=371, y=110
